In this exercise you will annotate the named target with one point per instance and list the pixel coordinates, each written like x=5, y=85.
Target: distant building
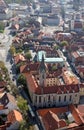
x=77, y=22
x=5, y=13
x=51, y=20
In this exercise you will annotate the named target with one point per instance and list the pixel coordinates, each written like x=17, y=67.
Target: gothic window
x=70, y=98
x=49, y=98
x=39, y=99
x=59, y=98
x=36, y=99
x=65, y=99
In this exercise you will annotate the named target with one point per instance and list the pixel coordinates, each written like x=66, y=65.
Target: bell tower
x=42, y=73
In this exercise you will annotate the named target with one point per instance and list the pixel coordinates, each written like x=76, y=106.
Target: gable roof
x=51, y=118
x=19, y=58
x=14, y=116
x=29, y=67
x=35, y=88
x=6, y=98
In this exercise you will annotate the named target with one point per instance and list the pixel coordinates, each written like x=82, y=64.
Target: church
x=50, y=85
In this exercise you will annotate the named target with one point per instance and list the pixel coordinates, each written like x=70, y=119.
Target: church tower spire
x=42, y=73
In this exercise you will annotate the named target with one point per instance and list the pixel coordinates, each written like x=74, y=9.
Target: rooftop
x=55, y=118
x=48, y=60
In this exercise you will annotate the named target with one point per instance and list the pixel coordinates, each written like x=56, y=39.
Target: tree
x=54, y=68
x=22, y=104
x=56, y=47
x=64, y=43
x=18, y=67
x=28, y=55
x=25, y=126
x=2, y=27
x=21, y=80
x=14, y=90
x=12, y=50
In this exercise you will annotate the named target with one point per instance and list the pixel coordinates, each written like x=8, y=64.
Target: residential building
x=5, y=13
x=9, y=120
x=63, y=118
x=51, y=20
x=8, y=101
x=19, y=58
x=14, y=117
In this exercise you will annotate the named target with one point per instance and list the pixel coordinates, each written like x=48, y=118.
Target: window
x=49, y=98
x=39, y=99
x=65, y=99
x=36, y=99
x=70, y=98
x=59, y=98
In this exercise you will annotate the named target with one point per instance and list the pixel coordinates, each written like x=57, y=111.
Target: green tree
x=25, y=126
x=14, y=90
x=54, y=68
x=2, y=27
x=28, y=55
x=22, y=104
x=12, y=50
x=64, y=43
x=18, y=67
x=56, y=47
x=21, y=80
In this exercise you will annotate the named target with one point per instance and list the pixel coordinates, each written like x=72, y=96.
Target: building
x=50, y=57
x=9, y=120
x=5, y=13
x=14, y=117
x=49, y=86
x=8, y=101
x=19, y=58
x=52, y=20
x=76, y=22
x=63, y=118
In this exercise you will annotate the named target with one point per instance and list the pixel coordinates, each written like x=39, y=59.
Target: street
x=6, y=58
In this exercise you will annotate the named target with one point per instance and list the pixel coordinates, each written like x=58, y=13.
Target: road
x=6, y=41
x=37, y=120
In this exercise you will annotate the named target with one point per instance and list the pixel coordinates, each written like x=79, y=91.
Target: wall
x=49, y=100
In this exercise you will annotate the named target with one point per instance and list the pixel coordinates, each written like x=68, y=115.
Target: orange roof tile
x=51, y=120
x=14, y=116
x=19, y=58
x=33, y=86
x=29, y=67
x=78, y=119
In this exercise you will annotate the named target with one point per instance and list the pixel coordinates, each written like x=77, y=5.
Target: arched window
x=59, y=99
x=36, y=99
x=65, y=99
x=39, y=99
x=70, y=98
x=49, y=98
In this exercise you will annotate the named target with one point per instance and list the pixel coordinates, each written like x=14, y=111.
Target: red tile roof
x=2, y=84
x=29, y=67
x=77, y=24
x=14, y=116
x=18, y=58
x=78, y=119
x=33, y=86
x=51, y=121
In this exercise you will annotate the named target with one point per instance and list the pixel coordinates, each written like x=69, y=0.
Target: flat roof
x=48, y=60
